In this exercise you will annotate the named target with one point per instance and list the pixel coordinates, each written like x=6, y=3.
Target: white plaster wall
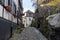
x=1, y=8
x=14, y=19
x=24, y=20
x=10, y=16
x=16, y=2
x=6, y=2
x=19, y=20
x=7, y=15
x=25, y=23
x=28, y=22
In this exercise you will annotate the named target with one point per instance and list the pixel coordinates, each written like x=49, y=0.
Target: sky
x=27, y=5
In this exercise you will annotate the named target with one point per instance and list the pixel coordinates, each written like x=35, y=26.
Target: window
x=9, y=2
x=29, y=19
x=24, y=21
x=2, y=2
x=14, y=8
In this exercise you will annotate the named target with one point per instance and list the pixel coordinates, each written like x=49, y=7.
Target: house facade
x=8, y=18
x=27, y=18
x=20, y=8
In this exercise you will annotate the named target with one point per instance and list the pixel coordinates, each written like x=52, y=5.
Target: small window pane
x=10, y=2
x=2, y=2
x=14, y=8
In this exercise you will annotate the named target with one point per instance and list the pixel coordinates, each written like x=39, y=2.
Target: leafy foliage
x=20, y=28
x=42, y=25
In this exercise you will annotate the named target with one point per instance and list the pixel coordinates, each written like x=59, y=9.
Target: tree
x=40, y=19
x=42, y=25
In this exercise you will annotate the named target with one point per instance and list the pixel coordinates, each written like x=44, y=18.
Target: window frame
x=29, y=19
x=2, y=2
x=9, y=2
x=14, y=8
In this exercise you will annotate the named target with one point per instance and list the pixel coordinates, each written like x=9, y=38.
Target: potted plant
x=8, y=8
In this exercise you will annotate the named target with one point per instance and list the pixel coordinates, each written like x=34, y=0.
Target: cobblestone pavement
x=15, y=36
x=28, y=33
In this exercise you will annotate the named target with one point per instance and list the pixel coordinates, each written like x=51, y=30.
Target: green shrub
x=44, y=27
x=20, y=28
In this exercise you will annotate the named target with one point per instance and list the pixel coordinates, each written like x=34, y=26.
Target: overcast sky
x=27, y=5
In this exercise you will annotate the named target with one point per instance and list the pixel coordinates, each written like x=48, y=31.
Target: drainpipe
x=17, y=18
x=11, y=20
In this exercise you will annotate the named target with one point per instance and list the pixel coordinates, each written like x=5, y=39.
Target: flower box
x=8, y=8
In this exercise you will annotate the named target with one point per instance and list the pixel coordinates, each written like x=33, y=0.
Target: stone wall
x=5, y=28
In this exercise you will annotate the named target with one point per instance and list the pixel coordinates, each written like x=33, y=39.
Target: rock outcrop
x=54, y=20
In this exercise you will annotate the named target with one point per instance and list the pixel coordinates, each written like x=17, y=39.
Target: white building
x=5, y=13
x=8, y=18
x=27, y=18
